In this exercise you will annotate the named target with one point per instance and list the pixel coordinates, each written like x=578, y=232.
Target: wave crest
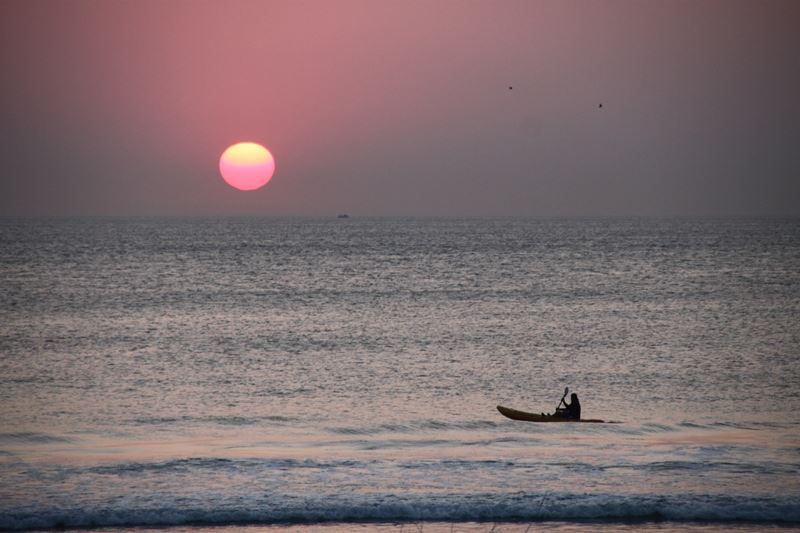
x=519, y=507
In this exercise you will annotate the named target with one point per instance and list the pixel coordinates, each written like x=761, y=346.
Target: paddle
x=566, y=391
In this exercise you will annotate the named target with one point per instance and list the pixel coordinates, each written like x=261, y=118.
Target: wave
x=31, y=437
x=219, y=420
x=195, y=465
x=214, y=465
x=415, y=427
x=518, y=507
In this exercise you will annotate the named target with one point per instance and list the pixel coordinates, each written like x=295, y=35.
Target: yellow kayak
x=513, y=414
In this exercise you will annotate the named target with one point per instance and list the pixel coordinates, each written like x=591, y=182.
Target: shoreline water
x=555, y=526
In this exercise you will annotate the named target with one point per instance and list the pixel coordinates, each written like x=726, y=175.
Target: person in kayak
x=573, y=409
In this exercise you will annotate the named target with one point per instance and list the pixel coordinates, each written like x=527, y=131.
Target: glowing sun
x=246, y=166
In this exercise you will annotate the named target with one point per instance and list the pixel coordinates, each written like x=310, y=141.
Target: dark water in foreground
x=165, y=372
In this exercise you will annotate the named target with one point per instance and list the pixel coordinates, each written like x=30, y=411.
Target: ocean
x=264, y=374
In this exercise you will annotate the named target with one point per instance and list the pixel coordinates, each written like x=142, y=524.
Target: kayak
x=513, y=414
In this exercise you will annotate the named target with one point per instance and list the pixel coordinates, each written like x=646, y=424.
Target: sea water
x=343, y=374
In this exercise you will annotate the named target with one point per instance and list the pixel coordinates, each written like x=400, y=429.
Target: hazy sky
x=398, y=107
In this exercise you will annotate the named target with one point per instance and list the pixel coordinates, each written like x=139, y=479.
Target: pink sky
x=402, y=107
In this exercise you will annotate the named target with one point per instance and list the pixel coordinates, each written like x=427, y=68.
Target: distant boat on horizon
x=343, y=215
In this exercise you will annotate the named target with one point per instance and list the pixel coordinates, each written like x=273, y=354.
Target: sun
x=246, y=166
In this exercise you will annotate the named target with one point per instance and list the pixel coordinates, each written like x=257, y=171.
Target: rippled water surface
x=294, y=371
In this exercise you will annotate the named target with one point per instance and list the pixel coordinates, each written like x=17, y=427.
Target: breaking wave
x=520, y=507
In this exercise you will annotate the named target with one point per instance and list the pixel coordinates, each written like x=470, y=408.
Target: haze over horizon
x=412, y=108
